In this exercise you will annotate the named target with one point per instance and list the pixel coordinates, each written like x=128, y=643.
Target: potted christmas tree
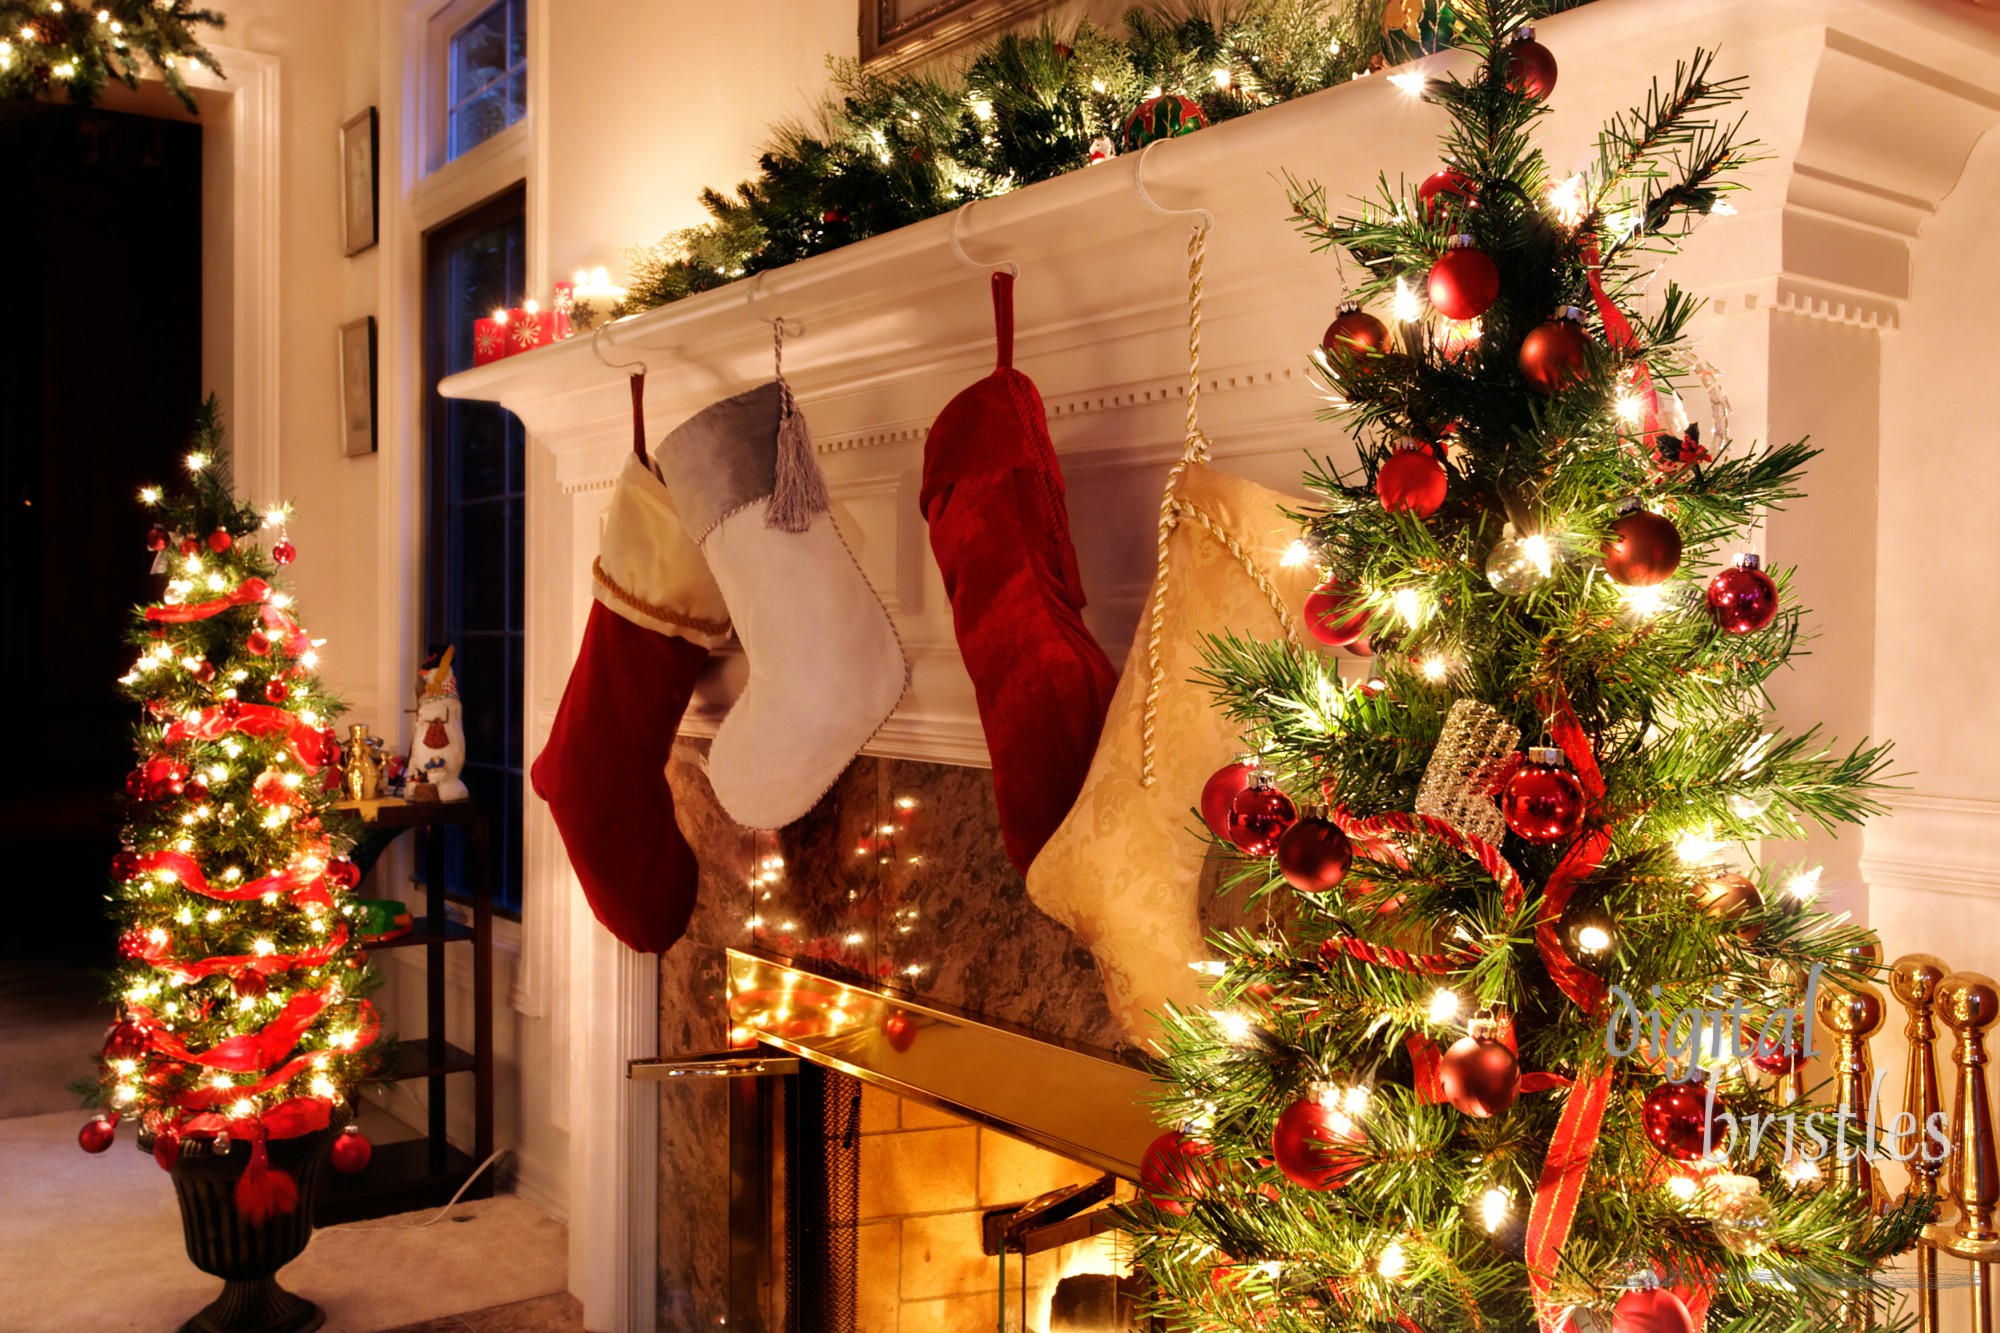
x=1431, y=1096
x=241, y=1027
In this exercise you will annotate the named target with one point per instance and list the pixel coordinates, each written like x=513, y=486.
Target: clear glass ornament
x=1740, y=1214
x=1749, y=805
x=1518, y=565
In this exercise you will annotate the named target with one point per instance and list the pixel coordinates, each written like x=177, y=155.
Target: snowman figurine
x=438, y=753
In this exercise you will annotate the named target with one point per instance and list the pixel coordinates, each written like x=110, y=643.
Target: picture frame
x=899, y=33
x=357, y=388
x=360, y=216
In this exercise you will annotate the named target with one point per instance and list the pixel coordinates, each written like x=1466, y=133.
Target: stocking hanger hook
x=792, y=328
x=1206, y=218
x=602, y=334
x=1013, y=269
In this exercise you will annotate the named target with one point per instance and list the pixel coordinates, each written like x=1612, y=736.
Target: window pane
x=517, y=97
x=478, y=120
x=483, y=690
x=481, y=430
x=482, y=566
x=479, y=53
x=517, y=32
x=516, y=562
x=515, y=685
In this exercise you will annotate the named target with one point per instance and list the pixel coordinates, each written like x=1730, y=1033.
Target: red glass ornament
x=219, y=541
x=1742, y=597
x=134, y=944
x=1361, y=647
x=1355, y=336
x=1654, y=1310
x=1313, y=855
x=1543, y=801
x=156, y=539
x=1644, y=549
x=258, y=642
x=97, y=1134
x=351, y=1151
x=124, y=865
x=203, y=671
x=343, y=872
x=167, y=1148
x=1480, y=1076
x=1175, y=1170
x=196, y=790
x=1554, y=355
x=164, y=777
x=276, y=690
x=136, y=785
x=1441, y=189
x=125, y=1041
x=1313, y=1145
x=249, y=983
x=1411, y=479
x=900, y=1030
x=1329, y=617
x=1773, y=1057
x=284, y=553
x=1682, y=1122
x=1531, y=67
x=231, y=709
x=1730, y=895
x=189, y=546
x=1259, y=816
x=1464, y=282
x=1221, y=790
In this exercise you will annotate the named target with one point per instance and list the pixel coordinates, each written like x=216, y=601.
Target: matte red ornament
x=1313, y=1145
x=1655, y=1310
x=1411, y=479
x=167, y=1148
x=1441, y=189
x=1313, y=855
x=1680, y=1121
x=156, y=539
x=1531, y=67
x=1644, y=549
x=1480, y=1076
x=1259, y=816
x=1361, y=647
x=1730, y=895
x=276, y=691
x=1175, y=1170
x=219, y=541
x=1330, y=619
x=1553, y=355
x=97, y=1134
x=124, y=865
x=1354, y=336
x=1464, y=282
x=189, y=546
x=125, y=1041
x=136, y=786
x=258, y=642
x=1221, y=790
x=1742, y=597
x=1543, y=801
x=284, y=553
x=351, y=1151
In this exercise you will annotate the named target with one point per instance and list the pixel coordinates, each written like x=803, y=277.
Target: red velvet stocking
x=993, y=496
x=603, y=774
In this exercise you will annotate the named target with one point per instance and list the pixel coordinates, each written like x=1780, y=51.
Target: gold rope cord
x=661, y=613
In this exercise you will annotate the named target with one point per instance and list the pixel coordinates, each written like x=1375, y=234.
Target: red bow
x=252, y=589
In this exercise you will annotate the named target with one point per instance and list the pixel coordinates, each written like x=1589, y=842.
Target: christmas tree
x=1431, y=1093
x=240, y=1017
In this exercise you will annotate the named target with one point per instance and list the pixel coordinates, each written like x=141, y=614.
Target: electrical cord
x=436, y=1217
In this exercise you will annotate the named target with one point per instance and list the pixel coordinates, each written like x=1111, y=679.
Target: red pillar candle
x=489, y=338
x=565, y=309
x=528, y=327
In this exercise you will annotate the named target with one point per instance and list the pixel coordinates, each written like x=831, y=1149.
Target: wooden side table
x=426, y=1172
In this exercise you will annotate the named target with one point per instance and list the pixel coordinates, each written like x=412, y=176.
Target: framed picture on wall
x=357, y=387
x=905, y=32
x=359, y=221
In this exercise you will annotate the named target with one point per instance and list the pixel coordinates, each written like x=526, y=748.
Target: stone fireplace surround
x=1870, y=110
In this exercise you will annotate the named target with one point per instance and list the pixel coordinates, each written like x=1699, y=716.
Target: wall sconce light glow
x=1444, y=1006
x=1494, y=1207
x=1805, y=885
x=1410, y=81
x=1406, y=306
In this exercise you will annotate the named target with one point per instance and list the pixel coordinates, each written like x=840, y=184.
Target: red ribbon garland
x=286, y=1120
x=304, y=886
x=207, y=1098
x=250, y=1051
x=307, y=744
x=251, y=590
x=265, y=964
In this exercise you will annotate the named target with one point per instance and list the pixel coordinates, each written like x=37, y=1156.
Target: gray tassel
x=800, y=490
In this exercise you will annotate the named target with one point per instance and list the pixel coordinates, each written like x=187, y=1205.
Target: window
x=487, y=85
x=476, y=455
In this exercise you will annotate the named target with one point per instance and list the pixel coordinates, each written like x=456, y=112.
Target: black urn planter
x=247, y=1257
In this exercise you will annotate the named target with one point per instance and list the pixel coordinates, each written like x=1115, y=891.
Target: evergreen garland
x=49, y=45
x=893, y=149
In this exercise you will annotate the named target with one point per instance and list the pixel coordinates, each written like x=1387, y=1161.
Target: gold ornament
x=1740, y=1214
x=362, y=774
x=1466, y=769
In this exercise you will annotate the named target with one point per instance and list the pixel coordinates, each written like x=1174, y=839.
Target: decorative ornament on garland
x=1330, y=616
x=1313, y=1145
x=1684, y=1120
x=156, y=539
x=1588, y=930
x=351, y=1151
x=284, y=552
x=1221, y=790
x=1354, y=337
x=1469, y=764
x=1644, y=549
x=1517, y=565
x=1742, y=597
x=1651, y=1310
x=1313, y=854
x=1411, y=479
x=1554, y=355
x=1480, y=1074
x=1740, y=1214
x=1730, y=895
x=1464, y=282
x=1168, y=116
x=1531, y=67
x=1175, y=1170
x=1259, y=816
x=1543, y=801
x=97, y=1134
x=1444, y=189
x=220, y=541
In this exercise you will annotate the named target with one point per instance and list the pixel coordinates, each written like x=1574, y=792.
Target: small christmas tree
x=1430, y=1096
x=240, y=1017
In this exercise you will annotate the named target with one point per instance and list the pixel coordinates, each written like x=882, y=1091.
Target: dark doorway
x=100, y=372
